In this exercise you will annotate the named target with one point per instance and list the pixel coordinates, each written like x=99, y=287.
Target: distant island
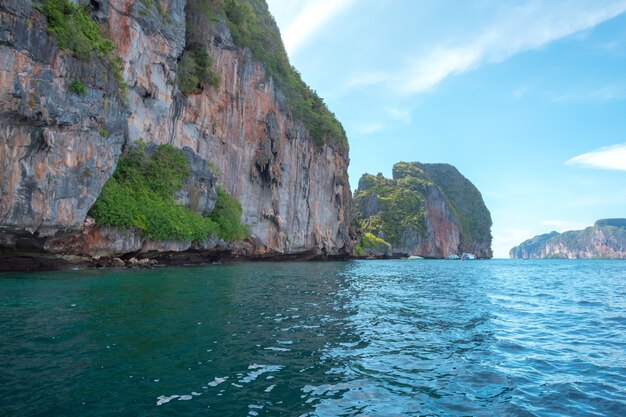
x=606, y=239
x=427, y=210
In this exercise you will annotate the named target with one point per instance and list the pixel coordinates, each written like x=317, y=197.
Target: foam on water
x=217, y=381
x=258, y=370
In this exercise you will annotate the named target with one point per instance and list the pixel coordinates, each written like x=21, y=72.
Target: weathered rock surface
x=58, y=148
x=427, y=210
x=606, y=239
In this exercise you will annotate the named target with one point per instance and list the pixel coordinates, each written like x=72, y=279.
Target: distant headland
x=606, y=239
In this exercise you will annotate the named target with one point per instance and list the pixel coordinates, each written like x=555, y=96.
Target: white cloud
x=391, y=116
x=367, y=79
x=370, y=128
x=609, y=93
x=519, y=92
x=513, y=30
x=429, y=70
x=310, y=16
x=563, y=98
x=400, y=115
x=610, y=157
x=606, y=93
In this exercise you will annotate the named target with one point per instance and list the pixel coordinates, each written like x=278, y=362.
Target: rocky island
x=606, y=239
x=100, y=100
x=427, y=210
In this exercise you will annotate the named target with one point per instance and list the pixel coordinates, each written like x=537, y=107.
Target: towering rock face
x=58, y=148
x=605, y=240
x=429, y=210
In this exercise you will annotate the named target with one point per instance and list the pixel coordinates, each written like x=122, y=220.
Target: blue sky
x=526, y=98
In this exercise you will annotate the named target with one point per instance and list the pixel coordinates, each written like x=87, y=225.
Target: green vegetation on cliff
x=77, y=32
x=195, y=71
x=394, y=205
x=611, y=222
x=226, y=215
x=462, y=196
x=77, y=87
x=252, y=26
x=369, y=241
x=195, y=66
x=140, y=194
x=396, y=209
x=534, y=245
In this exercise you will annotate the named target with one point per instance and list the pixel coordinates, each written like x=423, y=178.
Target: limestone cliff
x=427, y=210
x=606, y=239
x=58, y=148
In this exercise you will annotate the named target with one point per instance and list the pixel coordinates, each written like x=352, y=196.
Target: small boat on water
x=453, y=257
x=467, y=256
x=414, y=257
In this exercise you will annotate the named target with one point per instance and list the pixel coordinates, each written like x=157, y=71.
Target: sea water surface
x=362, y=338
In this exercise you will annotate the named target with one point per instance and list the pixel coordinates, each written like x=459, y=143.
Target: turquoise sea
x=361, y=338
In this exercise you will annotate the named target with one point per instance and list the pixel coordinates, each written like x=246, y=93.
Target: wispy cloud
x=427, y=71
x=399, y=115
x=369, y=128
x=519, y=92
x=514, y=30
x=312, y=14
x=606, y=93
x=367, y=79
x=610, y=157
x=389, y=117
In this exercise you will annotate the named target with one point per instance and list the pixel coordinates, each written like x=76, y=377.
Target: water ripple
x=380, y=338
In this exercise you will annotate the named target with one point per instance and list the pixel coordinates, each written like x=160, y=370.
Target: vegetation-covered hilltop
x=429, y=210
x=606, y=239
x=252, y=26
